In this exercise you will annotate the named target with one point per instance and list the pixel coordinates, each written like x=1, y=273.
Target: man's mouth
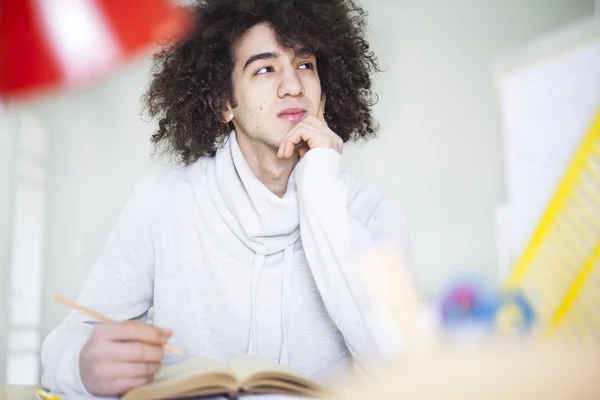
x=293, y=114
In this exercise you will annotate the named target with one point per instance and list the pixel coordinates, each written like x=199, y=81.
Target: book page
x=194, y=366
x=194, y=376
x=244, y=367
x=254, y=372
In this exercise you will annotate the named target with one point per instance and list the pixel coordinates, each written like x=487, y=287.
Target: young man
x=248, y=246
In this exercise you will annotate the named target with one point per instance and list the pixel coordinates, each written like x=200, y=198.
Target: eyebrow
x=261, y=56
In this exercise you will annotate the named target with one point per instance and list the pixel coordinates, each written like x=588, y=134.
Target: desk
x=17, y=392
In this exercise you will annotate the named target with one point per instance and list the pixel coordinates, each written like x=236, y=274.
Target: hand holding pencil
x=120, y=356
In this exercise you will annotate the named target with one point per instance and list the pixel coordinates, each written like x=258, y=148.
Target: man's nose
x=290, y=84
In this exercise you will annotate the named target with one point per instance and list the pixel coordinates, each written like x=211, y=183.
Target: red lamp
x=56, y=43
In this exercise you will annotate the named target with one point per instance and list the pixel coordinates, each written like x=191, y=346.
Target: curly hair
x=192, y=84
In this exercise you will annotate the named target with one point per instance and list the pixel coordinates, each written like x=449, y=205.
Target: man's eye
x=264, y=70
x=307, y=65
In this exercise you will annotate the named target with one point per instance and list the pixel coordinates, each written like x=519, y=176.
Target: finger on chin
x=289, y=149
x=301, y=144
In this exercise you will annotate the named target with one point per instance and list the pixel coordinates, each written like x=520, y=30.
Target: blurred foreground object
x=474, y=305
x=517, y=371
x=46, y=44
x=398, y=318
x=434, y=366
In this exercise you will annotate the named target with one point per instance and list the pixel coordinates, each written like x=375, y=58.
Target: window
x=23, y=203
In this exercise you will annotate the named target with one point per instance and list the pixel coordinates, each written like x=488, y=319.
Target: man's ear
x=227, y=114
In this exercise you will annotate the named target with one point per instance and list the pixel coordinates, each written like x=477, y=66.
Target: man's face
x=273, y=87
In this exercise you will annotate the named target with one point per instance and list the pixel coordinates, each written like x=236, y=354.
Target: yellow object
x=41, y=394
x=559, y=270
x=509, y=318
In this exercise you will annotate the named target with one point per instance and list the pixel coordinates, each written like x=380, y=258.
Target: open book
x=242, y=375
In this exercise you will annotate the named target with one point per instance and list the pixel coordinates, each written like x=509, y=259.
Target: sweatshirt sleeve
x=333, y=237
x=120, y=286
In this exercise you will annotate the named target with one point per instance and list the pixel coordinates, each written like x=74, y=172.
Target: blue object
x=470, y=303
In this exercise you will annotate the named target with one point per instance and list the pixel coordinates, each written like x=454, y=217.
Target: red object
x=50, y=43
x=464, y=297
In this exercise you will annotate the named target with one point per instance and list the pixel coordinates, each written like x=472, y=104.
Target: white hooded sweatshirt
x=234, y=269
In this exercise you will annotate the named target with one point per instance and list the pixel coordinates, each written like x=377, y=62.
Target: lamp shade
x=62, y=43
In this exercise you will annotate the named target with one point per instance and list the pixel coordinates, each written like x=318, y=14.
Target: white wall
x=99, y=147
x=439, y=150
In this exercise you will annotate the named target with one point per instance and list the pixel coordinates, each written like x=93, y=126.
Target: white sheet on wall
x=548, y=99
